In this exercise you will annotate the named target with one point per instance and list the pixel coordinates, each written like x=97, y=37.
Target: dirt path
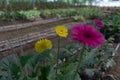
x=115, y=71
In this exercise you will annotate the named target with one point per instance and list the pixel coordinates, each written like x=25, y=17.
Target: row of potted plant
x=50, y=13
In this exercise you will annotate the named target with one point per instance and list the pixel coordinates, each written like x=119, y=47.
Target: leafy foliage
x=76, y=13
x=76, y=63
x=112, y=28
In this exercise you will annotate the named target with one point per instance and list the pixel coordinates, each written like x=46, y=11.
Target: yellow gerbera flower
x=62, y=31
x=43, y=45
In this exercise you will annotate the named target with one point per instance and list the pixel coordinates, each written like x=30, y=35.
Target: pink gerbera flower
x=87, y=35
x=99, y=23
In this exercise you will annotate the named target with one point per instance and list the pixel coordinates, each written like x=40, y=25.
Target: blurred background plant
x=75, y=13
x=112, y=28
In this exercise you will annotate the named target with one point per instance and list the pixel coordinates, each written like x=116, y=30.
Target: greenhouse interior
x=59, y=39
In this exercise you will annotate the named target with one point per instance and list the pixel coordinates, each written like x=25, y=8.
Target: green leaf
x=90, y=58
x=36, y=78
x=69, y=72
x=5, y=62
x=44, y=72
x=14, y=70
x=110, y=63
x=77, y=77
x=25, y=58
x=52, y=74
x=33, y=62
x=3, y=74
x=90, y=72
x=10, y=66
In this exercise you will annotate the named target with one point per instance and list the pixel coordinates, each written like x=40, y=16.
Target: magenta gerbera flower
x=87, y=35
x=99, y=23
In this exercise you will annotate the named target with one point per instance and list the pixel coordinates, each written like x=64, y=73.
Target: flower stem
x=57, y=56
x=19, y=64
x=80, y=60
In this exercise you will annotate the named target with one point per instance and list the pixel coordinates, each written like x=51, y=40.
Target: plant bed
x=69, y=52
x=29, y=48
x=52, y=13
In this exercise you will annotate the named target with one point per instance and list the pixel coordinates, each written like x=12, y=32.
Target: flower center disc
x=88, y=35
x=61, y=31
